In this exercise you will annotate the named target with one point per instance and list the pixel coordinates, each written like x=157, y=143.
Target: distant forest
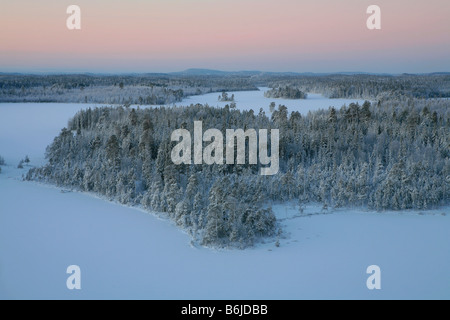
x=161, y=89
x=151, y=89
x=286, y=92
x=373, y=87
x=393, y=154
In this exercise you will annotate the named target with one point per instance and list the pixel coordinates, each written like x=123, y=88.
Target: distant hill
x=210, y=72
x=201, y=72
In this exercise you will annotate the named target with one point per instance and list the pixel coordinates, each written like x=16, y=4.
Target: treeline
x=159, y=89
x=150, y=89
x=368, y=86
x=391, y=155
x=285, y=92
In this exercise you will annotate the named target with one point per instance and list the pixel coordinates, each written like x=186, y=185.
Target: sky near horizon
x=232, y=35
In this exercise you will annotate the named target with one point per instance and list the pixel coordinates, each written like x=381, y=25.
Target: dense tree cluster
x=159, y=89
x=146, y=89
x=286, y=92
x=393, y=154
x=367, y=86
x=124, y=154
x=224, y=97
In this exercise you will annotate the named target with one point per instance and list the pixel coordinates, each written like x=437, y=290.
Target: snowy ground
x=246, y=100
x=127, y=253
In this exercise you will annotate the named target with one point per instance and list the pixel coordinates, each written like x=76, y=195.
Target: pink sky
x=270, y=35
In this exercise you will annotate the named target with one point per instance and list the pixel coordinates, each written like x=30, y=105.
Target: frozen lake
x=254, y=100
x=126, y=253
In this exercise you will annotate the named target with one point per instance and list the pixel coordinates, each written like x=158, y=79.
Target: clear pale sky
x=268, y=35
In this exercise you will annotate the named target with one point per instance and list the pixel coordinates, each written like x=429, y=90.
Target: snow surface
x=127, y=253
x=254, y=100
x=28, y=128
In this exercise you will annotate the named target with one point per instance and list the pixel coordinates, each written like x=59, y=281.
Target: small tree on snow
x=272, y=106
x=301, y=205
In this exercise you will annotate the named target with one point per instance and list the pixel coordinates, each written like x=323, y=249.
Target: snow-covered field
x=127, y=253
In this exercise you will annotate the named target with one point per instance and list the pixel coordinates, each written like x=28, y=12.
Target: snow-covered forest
x=286, y=92
x=161, y=89
x=366, y=86
x=147, y=89
x=392, y=154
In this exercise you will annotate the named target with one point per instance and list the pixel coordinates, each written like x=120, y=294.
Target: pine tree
x=215, y=230
x=156, y=197
x=172, y=192
x=198, y=211
x=113, y=151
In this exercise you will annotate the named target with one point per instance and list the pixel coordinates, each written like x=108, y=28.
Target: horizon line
x=207, y=71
